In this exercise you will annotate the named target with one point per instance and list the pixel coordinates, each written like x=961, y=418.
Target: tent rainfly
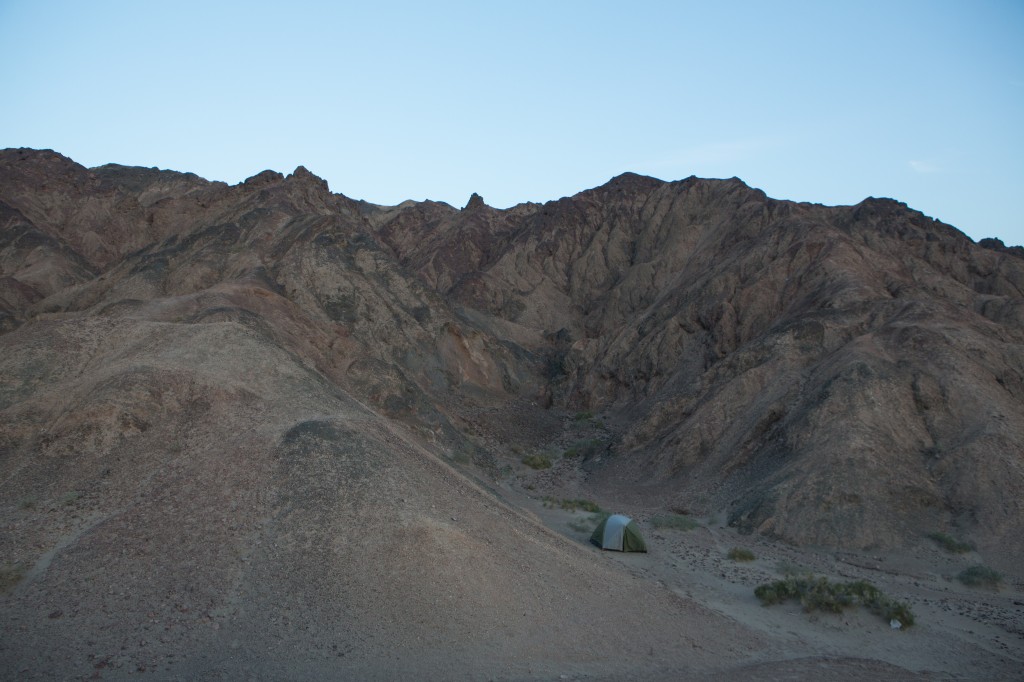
x=620, y=533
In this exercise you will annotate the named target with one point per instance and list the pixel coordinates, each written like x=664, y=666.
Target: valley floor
x=961, y=632
x=474, y=577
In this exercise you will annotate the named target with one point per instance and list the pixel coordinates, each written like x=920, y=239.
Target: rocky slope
x=848, y=376
x=242, y=417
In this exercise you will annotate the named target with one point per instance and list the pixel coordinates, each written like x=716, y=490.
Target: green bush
x=980, y=576
x=818, y=594
x=674, y=522
x=740, y=554
x=951, y=544
x=899, y=611
x=537, y=462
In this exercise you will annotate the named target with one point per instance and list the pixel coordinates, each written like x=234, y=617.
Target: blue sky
x=530, y=101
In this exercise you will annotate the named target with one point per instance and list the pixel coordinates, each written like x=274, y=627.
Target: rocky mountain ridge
x=860, y=363
x=266, y=429
x=845, y=376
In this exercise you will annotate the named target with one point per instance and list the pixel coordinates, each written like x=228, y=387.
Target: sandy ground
x=273, y=528
x=960, y=632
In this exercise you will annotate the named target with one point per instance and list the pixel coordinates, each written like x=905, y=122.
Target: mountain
x=845, y=376
x=242, y=420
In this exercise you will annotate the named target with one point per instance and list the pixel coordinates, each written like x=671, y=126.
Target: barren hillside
x=268, y=430
x=844, y=376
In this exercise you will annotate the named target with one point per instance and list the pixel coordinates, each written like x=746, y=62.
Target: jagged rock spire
x=475, y=201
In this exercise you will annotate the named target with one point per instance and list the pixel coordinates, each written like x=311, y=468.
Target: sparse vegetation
x=788, y=568
x=819, y=594
x=10, y=575
x=674, y=522
x=740, y=554
x=582, y=526
x=583, y=448
x=980, y=576
x=951, y=544
x=537, y=462
x=27, y=503
x=588, y=524
x=589, y=418
x=71, y=497
x=572, y=505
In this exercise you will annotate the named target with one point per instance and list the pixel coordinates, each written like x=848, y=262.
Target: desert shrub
x=951, y=544
x=899, y=611
x=589, y=418
x=10, y=575
x=980, y=576
x=789, y=568
x=588, y=524
x=580, y=505
x=819, y=594
x=583, y=448
x=777, y=592
x=537, y=462
x=740, y=554
x=674, y=522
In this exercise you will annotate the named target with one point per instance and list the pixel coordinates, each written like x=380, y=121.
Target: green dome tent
x=620, y=533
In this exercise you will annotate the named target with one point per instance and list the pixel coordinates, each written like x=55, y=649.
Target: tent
x=620, y=533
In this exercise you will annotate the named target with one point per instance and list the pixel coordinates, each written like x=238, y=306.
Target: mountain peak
x=302, y=174
x=266, y=177
x=633, y=181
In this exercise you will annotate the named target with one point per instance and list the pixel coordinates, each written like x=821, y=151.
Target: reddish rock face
x=831, y=375
x=839, y=376
x=173, y=348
